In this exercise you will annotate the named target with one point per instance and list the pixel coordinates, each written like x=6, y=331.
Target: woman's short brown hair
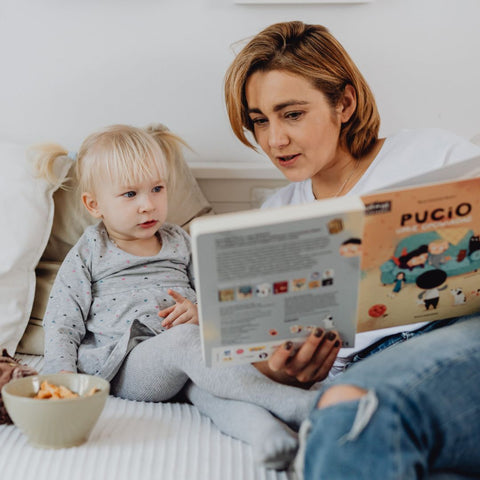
x=312, y=52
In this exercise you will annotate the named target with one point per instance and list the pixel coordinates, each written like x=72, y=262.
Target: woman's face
x=294, y=124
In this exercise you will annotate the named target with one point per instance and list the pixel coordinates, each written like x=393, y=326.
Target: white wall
x=69, y=67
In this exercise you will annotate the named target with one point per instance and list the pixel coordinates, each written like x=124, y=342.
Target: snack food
x=50, y=391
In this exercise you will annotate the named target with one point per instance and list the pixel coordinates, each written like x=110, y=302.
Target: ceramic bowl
x=60, y=423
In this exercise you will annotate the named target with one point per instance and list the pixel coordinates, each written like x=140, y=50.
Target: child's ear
x=91, y=204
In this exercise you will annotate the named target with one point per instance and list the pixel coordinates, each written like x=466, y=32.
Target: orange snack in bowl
x=51, y=391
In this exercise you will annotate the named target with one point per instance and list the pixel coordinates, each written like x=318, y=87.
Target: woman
x=296, y=90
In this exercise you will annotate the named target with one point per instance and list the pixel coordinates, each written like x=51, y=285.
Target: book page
x=260, y=286
x=421, y=254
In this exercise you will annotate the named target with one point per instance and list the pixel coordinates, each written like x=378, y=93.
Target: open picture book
x=354, y=263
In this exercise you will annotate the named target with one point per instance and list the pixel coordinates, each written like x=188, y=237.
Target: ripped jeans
x=419, y=420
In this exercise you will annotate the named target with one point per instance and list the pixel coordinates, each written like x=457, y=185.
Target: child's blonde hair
x=121, y=154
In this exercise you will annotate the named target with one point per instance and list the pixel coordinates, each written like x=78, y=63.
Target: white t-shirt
x=408, y=153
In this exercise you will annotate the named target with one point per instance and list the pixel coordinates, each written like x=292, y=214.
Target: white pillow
x=25, y=222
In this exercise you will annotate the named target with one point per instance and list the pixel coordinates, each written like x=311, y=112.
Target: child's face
x=132, y=212
x=437, y=248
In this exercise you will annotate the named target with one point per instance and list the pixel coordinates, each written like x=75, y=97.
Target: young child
x=123, y=302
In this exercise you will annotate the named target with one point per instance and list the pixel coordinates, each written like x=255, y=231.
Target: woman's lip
x=287, y=160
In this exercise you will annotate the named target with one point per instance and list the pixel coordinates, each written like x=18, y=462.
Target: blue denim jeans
x=419, y=420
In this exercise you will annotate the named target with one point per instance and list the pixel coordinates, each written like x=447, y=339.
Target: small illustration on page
x=244, y=292
x=315, y=276
x=296, y=329
x=398, y=283
x=459, y=298
x=257, y=348
x=328, y=322
x=299, y=284
x=226, y=295
x=314, y=280
x=263, y=290
x=473, y=244
x=280, y=287
x=335, y=225
x=430, y=282
x=327, y=277
x=378, y=310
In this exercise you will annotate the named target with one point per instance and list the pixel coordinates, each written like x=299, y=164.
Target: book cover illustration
x=420, y=255
x=262, y=285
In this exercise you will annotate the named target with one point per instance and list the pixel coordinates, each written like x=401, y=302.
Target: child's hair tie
x=72, y=155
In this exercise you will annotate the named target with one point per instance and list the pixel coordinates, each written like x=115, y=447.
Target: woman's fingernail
x=330, y=336
x=288, y=345
x=318, y=332
x=336, y=344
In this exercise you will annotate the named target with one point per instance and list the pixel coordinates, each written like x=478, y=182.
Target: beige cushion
x=185, y=200
x=25, y=224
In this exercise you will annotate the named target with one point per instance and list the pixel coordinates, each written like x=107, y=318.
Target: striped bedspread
x=136, y=441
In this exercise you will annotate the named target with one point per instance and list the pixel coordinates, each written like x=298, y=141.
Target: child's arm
x=183, y=311
x=67, y=309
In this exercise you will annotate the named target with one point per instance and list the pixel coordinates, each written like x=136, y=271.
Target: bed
x=39, y=223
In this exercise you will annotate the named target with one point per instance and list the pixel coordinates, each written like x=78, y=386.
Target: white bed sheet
x=136, y=440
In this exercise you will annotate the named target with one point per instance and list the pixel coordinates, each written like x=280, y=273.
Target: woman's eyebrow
x=288, y=103
x=280, y=106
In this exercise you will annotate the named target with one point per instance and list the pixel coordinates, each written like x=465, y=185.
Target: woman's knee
x=340, y=393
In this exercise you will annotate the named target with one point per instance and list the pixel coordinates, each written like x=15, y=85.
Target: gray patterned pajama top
x=104, y=301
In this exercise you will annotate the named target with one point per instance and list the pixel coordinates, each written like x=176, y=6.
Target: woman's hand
x=310, y=363
x=183, y=311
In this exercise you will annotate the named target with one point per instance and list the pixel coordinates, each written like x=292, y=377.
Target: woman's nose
x=277, y=136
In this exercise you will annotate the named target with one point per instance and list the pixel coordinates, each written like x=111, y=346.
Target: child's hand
x=184, y=311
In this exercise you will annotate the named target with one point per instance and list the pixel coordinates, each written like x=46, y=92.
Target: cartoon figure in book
x=430, y=282
x=436, y=252
x=398, y=283
x=413, y=259
x=351, y=247
x=459, y=298
x=474, y=244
